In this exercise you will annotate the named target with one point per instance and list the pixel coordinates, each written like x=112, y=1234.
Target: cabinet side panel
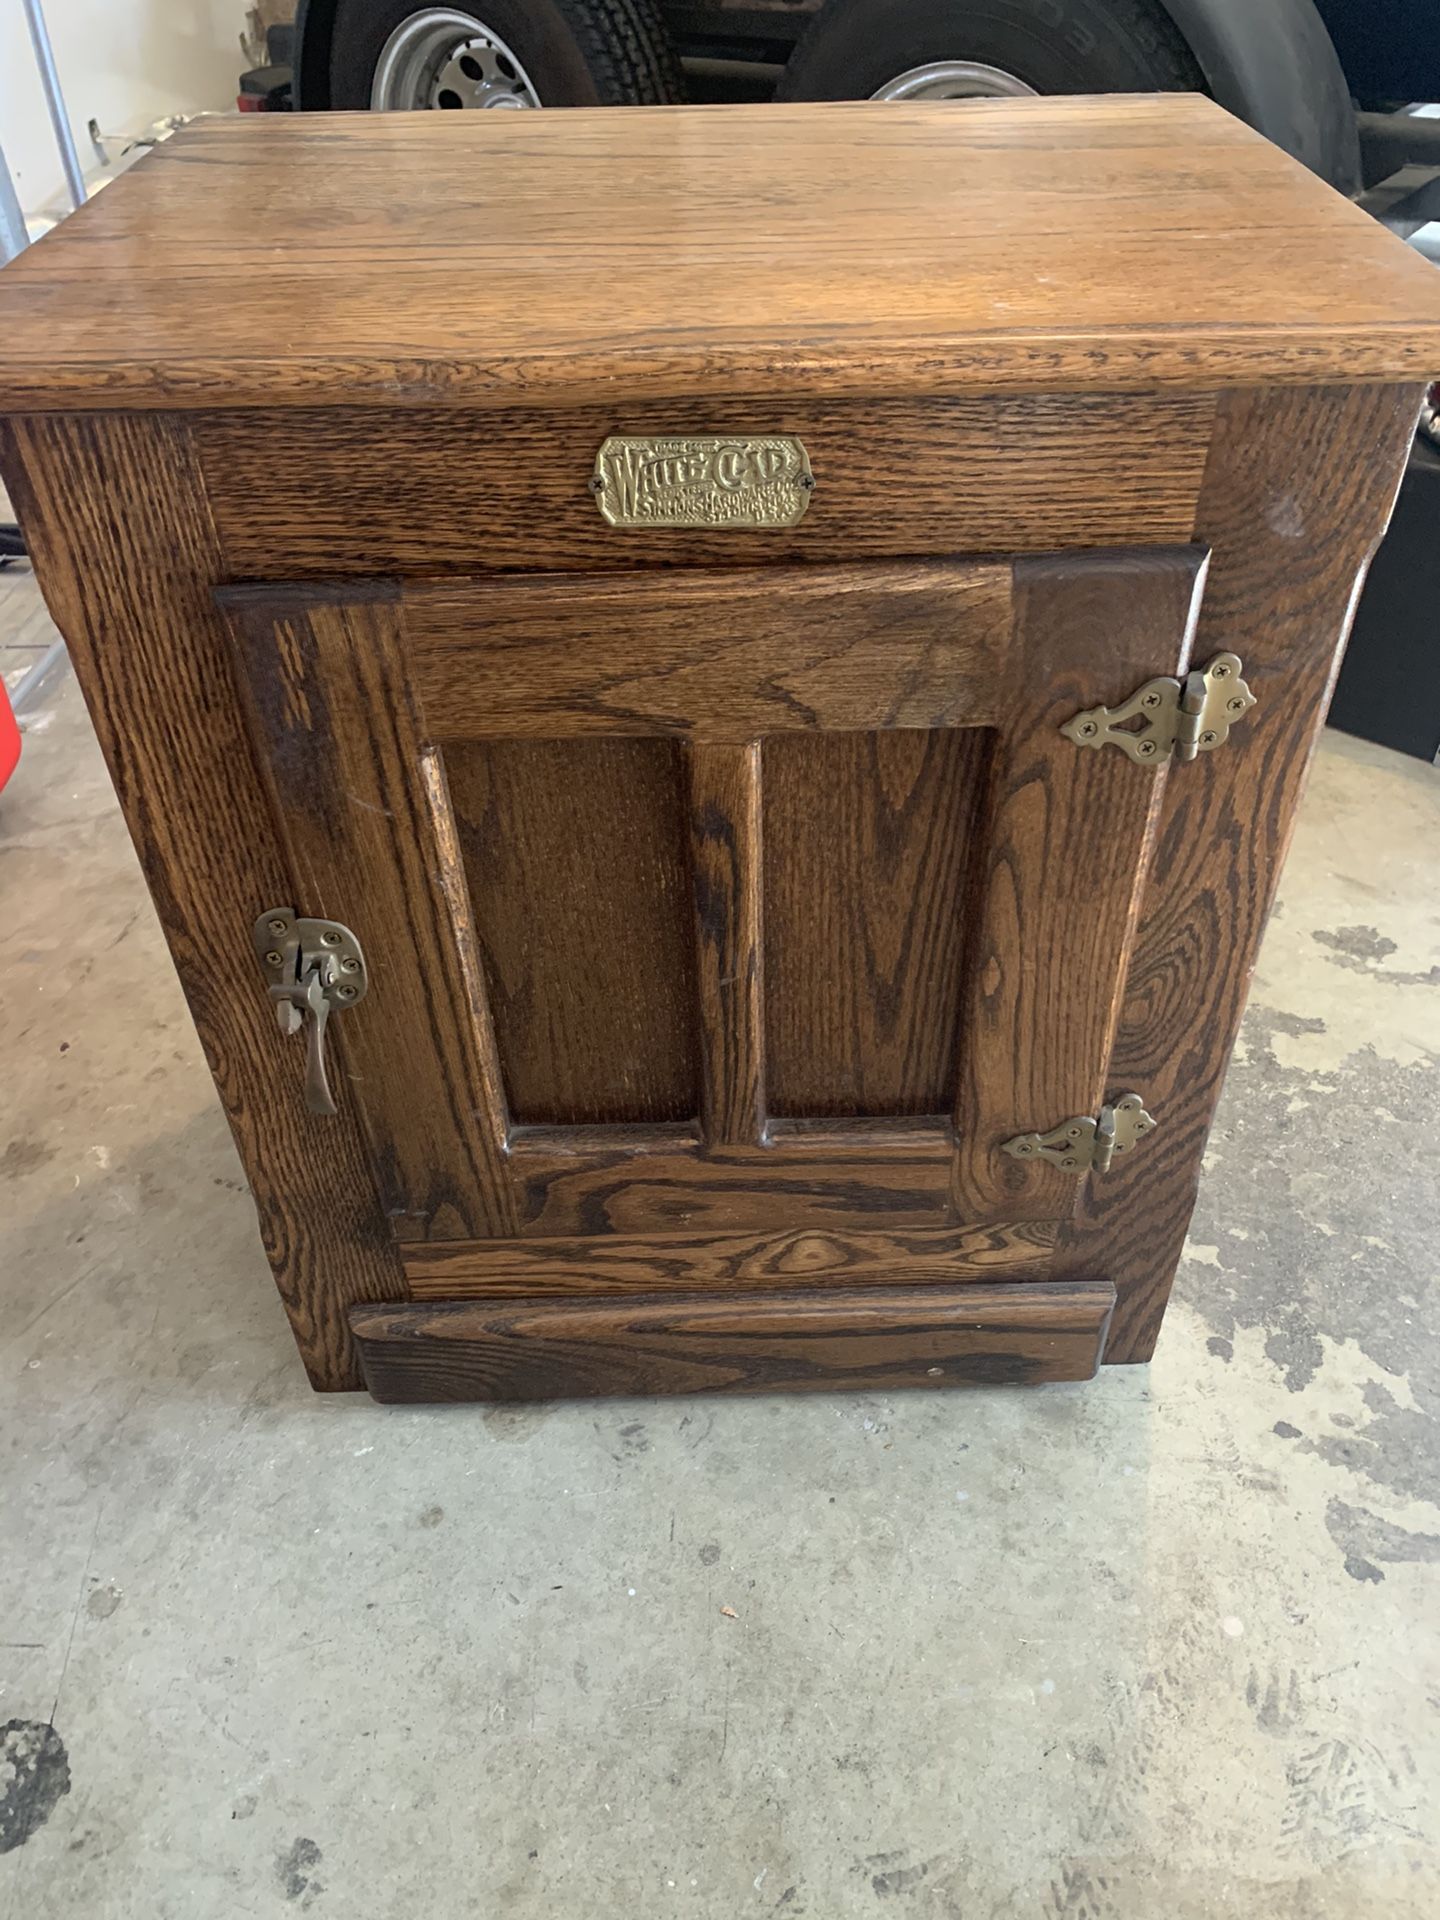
x=116, y=519
x=1297, y=495
x=575, y=853
x=868, y=849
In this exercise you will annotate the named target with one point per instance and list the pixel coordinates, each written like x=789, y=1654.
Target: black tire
x=578, y=53
x=854, y=47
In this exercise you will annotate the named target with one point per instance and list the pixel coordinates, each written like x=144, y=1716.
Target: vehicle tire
x=956, y=49
x=399, y=54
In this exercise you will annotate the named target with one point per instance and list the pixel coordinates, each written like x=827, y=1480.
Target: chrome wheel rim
x=443, y=59
x=953, y=80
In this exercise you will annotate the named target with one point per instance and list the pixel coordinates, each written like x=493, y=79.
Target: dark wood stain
x=576, y=859
x=710, y=655
x=869, y=839
x=115, y=518
x=1297, y=495
x=725, y=865
x=363, y=809
x=826, y=249
x=596, y=1180
x=1067, y=837
x=423, y=491
x=783, y=1342
x=661, y=1262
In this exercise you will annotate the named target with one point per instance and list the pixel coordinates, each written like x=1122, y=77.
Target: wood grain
x=782, y=1342
x=662, y=1262
x=870, y=841
x=372, y=491
x=576, y=857
x=1297, y=494
x=364, y=813
x=725, y=865
x=851, y=247
x=115, y=519
x=713, y=655
x=1067, y=840
x=629, y=1181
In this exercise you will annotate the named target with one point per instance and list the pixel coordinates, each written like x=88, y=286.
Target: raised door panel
x=870, y=868
x=575, y=858
x=719, y=904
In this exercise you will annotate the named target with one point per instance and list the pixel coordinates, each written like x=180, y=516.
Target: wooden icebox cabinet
x=711, y=698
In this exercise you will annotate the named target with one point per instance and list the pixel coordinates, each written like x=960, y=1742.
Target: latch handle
x=304, y=1004
x=312, y=967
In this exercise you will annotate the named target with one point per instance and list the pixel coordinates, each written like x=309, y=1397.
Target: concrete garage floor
x=1159, y=1645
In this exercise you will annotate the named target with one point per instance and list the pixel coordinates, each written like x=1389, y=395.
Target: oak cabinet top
x=623, y=254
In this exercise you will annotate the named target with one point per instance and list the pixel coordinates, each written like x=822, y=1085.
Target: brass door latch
x=312, y=968
x=1084, y=1145
x=1180, y=717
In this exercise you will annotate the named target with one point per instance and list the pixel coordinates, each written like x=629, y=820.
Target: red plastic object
x=9, y=737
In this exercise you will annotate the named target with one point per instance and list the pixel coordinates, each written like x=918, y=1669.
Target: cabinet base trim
x=875, y=1339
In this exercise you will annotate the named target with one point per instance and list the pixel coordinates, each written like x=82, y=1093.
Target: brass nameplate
x=702, y=480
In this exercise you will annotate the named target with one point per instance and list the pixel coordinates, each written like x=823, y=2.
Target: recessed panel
x=868, y=841
x=579, y=881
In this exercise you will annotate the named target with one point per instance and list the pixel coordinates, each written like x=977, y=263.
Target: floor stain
x=515, y=1423
x=1078, y=1894
x=1295, y=1154
x=295, y=1870
x=34, y=1778
x=892, y=1877
x=633, y=1441
x=1336, y=1800
x=24, y=1156
x=1275, y=1701
x=1364, y=1538
x=1363, y=949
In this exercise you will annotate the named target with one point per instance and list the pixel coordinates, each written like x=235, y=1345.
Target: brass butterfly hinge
x=1178, y=718
x=1085, y=1145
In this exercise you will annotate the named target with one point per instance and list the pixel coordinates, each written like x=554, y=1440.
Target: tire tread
x=622, y=45
x=1150, y=32
x=626, y=42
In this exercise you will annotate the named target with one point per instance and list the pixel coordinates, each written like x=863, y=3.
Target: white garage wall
x=125, y=63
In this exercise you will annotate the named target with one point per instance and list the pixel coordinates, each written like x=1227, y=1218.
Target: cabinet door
x=722, y=926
